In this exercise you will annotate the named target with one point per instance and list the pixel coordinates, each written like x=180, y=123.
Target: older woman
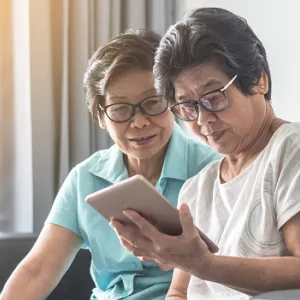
x=215, y=68
x=121, y=96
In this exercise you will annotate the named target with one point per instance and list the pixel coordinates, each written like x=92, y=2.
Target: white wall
x=277, y=24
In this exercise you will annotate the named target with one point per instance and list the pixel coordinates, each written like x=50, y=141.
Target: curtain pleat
x=76, y=29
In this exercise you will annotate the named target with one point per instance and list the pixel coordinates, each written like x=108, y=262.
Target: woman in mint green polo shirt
x=121, y=96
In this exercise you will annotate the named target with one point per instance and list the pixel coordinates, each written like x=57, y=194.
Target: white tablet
x=136, y=193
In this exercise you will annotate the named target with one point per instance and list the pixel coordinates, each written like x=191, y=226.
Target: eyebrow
x=125, y=98
x=208, y=83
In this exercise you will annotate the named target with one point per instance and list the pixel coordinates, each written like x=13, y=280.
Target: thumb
x=186, y=220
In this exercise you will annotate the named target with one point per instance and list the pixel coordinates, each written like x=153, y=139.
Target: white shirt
x=244, y=216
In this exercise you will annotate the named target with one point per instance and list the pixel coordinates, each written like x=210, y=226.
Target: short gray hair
x=211, y=35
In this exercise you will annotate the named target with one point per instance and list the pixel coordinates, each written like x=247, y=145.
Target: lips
x=142, y=140
x=215, y=135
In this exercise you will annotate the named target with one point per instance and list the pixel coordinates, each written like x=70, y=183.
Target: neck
x=261, y=134
x=150, y=167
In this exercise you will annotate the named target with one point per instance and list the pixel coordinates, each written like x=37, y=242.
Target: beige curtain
x=6, y=114
x=45, y=126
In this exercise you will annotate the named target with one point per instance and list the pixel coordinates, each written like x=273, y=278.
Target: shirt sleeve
x=287, y=189
x=64, y=211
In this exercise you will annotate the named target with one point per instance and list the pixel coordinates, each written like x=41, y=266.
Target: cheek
x=165, y=122
x=116, y=130
x=238, y=126
x=167, y=117
x=238, y=117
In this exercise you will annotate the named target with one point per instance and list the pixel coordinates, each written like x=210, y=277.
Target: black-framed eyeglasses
x=213, y=101
x=123, y=112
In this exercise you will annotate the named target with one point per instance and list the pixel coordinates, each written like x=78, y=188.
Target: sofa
x=76, y=283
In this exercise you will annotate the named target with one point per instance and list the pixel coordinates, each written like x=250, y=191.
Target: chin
x=221, y=149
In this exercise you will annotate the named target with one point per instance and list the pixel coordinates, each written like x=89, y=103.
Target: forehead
x=193, y=82
x=132, y=85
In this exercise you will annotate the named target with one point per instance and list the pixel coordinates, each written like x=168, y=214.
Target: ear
x=101, y=122
x=263, y=84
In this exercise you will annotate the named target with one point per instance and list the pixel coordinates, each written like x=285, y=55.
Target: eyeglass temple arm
x=228, y=84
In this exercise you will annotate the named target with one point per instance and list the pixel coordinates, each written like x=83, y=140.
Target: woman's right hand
x=187, y=251
x=41, y=270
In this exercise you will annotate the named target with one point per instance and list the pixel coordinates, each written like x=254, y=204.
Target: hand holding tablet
x=136, y=193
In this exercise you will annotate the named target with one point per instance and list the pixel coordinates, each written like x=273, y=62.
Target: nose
x=139, y=120
x=205, y=117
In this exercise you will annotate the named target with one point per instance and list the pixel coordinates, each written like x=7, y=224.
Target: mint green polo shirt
x=116, y=272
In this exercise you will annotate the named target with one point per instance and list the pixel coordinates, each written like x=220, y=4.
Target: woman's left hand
x=185, y=251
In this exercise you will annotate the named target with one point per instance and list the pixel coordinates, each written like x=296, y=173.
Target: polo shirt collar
x=110, y=166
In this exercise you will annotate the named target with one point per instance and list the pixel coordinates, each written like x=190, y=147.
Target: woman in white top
x=214, y=67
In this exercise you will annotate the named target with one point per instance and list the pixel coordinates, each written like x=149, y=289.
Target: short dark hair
x=132, y=50
x=211, y=35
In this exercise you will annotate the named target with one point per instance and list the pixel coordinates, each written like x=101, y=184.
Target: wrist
x=203, y=265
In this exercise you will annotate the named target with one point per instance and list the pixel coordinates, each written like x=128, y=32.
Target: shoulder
x=283, y=171
x=99, y=158
x=199, y=184
x=199, y=156
x=288, y=133
x=194, y=146
x=282, y=155
x=82, y=169
x=285, y=142
x=187, y=156
x=198, y=148
x=92, y=168
x=208, y=174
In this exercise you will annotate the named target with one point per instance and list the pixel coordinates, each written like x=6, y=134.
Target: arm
x=179, y=285
x=41, y=270
x=190, y=253
x=258, y=275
